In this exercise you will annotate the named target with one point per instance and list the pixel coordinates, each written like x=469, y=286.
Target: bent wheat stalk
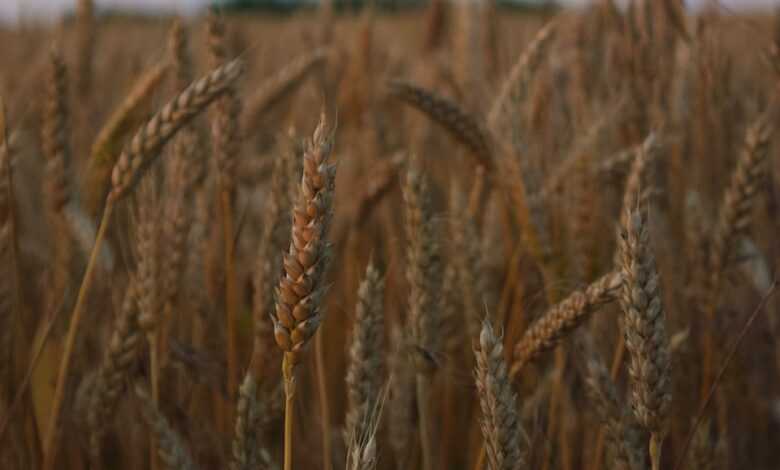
x=128, y=170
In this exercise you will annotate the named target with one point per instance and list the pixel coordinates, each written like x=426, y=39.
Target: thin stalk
x=52, y=434
x=289, y=394
x=324, y=407
x=154, y=362
x=426, y=440
x=231, y=292
x=656, y=442
x=617, y=360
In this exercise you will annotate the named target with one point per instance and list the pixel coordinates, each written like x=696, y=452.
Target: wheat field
x=455, y=237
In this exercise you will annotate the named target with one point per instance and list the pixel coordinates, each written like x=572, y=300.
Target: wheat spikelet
x=520, y=74
x=155, y=133
x=170, y=447
x=56, y=134
x=644, y=330
x=500, y=422
x=563, y=318
x=281, y=85
x=449, y=115
x=365, y=373
x=736, y=209
x=120, y=356
x=299, y=292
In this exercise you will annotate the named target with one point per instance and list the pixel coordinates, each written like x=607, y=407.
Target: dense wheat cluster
x=461, y=238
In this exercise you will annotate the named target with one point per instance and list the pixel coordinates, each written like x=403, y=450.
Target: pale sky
x=12, y=9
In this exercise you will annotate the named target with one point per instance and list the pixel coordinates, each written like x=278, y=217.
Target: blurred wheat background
x=461, y=235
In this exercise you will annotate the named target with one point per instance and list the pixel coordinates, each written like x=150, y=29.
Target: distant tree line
x=356, y=5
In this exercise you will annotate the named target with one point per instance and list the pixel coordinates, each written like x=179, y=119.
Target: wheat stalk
x=500, y=421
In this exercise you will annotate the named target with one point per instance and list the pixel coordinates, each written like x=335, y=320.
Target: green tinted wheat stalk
x=140, y=153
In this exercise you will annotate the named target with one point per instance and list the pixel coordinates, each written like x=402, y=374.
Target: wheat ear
x=300, y=290
x=364, y=376
x=645, y=332
x=500, y=421
x=121, y=354
x=424, y=277
x=171, y=448
x=563, y=318
x=516, y=82
x=448, y=114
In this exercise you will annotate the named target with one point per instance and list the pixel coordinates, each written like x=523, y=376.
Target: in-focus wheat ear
x=299, y=292
x=301, y=288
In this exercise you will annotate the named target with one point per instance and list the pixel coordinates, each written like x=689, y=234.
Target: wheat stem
x=52, y=434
